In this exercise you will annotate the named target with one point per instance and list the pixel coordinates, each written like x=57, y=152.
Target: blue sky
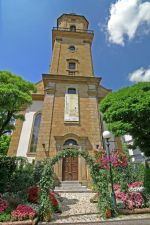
x=121, y=43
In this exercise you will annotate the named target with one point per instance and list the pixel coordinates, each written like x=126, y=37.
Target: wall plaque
x=71, y=108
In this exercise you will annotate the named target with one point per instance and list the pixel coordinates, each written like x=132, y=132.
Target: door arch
x=70, y=164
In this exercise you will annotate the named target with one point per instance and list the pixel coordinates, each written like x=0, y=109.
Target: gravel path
x=77, y=209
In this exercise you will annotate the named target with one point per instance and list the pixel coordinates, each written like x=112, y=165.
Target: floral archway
x=46, y=182
x=99, y=166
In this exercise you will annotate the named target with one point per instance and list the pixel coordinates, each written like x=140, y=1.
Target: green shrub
x=16, y=174
x=147, y=178
x=5, y=217
x=37, y=172
x=4, y=144
x=7, y=168
x=22, y=178
x=15, y=199
x=130, y=174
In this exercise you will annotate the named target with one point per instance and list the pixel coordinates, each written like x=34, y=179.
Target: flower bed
x=33, y=197
x=24, y=213
x=131, y=202
x=131, y=199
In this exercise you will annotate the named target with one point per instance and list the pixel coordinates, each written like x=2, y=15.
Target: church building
x=64, y=112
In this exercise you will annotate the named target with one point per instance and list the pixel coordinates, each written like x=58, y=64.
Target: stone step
x=71, y=186
x=72, y=191
x=70, y=182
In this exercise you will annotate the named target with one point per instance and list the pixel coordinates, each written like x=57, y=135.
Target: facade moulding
x=65, y=78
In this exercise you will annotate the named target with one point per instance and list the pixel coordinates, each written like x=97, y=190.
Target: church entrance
x=70, y=164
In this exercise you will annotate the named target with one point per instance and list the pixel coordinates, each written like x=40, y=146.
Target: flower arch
x=98, y=166
x=46, y=181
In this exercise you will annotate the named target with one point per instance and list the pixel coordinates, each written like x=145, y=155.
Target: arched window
x=71, y=91
x=35, y=132
x=70, y=142
x=73, y=28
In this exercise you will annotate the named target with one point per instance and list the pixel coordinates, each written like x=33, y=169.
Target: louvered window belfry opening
x=73, y=28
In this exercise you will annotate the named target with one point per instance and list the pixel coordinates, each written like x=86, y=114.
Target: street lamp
x=107, y=135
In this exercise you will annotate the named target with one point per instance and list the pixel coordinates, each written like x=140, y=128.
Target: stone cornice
x=54, y=78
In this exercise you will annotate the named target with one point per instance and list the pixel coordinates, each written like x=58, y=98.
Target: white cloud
x=140, y=75
x=126, y=17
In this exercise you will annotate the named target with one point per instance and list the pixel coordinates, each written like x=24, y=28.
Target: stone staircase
x=71, y=186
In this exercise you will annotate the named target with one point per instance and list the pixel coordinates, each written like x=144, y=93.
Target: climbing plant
x=99, y=177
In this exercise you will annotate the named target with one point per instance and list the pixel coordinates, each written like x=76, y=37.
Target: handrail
x=69, y=30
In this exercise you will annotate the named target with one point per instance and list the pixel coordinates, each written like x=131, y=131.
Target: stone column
x=43, y=146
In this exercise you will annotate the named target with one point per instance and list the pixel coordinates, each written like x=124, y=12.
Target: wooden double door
x=70, y=169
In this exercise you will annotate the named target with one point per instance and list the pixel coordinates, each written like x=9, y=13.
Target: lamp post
x=107, y=136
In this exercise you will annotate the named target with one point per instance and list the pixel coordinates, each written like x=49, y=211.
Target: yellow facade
x=71, y=71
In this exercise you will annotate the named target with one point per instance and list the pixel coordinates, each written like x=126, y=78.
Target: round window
x=72, y=48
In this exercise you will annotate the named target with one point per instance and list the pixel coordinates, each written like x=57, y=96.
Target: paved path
x=77, y=209
x=131, y=222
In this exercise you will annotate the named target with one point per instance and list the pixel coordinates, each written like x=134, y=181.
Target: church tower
x=72, y=47
x=64, y=112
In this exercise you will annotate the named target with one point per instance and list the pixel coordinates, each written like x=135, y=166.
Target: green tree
x=146, y=178
x=15, y=93
x=4, y=144
x=127, y=111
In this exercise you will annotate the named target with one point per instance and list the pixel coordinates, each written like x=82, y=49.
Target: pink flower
x=117, y=159
x=131, y=200
x=135, y=184
x=117, y=187
x=3, y=205
x=130, y=204
x=121, y=196
x=23, y=212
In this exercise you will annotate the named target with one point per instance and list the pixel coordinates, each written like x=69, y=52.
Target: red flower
x=53, y=199
x=117, y=159
x=33, y=194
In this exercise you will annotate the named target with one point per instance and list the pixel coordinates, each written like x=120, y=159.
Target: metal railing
x=76, y=30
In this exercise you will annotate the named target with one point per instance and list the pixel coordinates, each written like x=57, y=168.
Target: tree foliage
x=15, y=93
x=4, y=144
x=16, y=174
x=146, y=178
x=127, y=111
